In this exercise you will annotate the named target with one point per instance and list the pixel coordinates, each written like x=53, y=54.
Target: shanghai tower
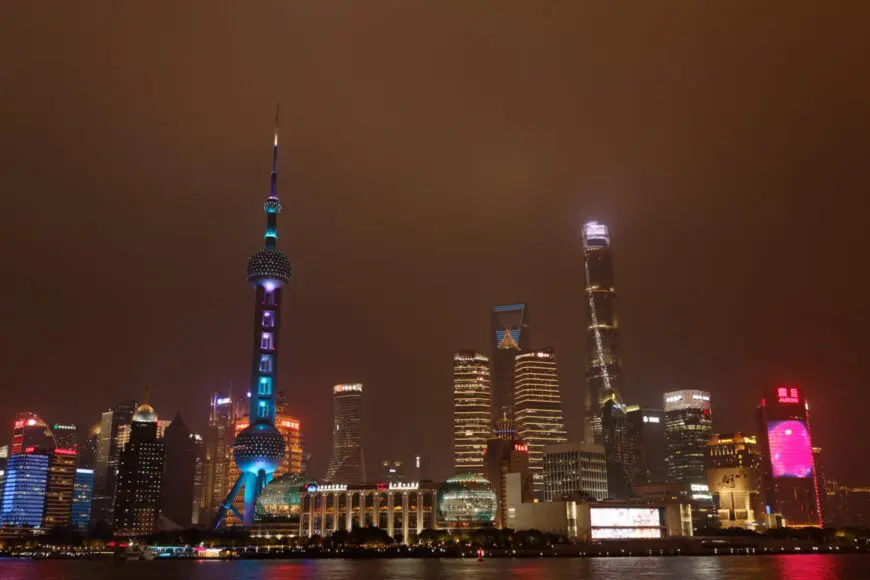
x=606, y=420
x=259, y=449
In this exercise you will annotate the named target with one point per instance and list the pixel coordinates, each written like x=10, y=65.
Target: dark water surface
x=809, y=567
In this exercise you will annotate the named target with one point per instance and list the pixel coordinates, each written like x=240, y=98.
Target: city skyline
x=711, y=186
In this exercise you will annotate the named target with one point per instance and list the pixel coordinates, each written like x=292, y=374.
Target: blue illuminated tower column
x=259, y=449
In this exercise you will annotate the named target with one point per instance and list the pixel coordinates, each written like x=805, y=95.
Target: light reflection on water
x=806, y=567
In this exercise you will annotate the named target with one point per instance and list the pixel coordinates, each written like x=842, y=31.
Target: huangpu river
x=790, y=567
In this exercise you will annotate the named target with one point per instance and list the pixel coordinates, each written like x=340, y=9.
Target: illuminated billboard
x=625, y=533
x=791, y=451
x=625, y=518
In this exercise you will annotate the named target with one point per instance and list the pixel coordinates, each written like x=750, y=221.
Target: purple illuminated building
x=789, y=481
x=259, y=449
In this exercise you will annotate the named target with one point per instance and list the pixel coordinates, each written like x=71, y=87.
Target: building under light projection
x=83, y=492
x=734, y=479
x=688, y=426
x=789, y=481
x=346, y=463
x=24, y=489
x=472, y=411
x=538, y=408
x=510, y=336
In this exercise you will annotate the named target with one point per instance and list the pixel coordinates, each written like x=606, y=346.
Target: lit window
x=268, y=319
x=266, y=341
x=266, y=363
x=263, y=409
x=264, y=387
x=269, y=298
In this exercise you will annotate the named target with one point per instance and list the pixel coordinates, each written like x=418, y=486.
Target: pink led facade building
x=789, y=482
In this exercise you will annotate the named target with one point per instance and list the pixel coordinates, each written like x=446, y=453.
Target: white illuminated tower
x=259, y=449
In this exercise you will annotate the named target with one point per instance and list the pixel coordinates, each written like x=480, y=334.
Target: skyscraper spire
x=273, y=189
x=272, y=206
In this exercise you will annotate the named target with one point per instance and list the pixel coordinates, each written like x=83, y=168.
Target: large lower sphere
x=467, y=498
x=259, y=448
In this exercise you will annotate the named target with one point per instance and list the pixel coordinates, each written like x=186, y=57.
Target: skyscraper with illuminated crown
x=259, y=449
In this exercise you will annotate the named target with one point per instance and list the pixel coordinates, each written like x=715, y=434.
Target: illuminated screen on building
x=625, y=533
x=625, y=518
x=791, y=452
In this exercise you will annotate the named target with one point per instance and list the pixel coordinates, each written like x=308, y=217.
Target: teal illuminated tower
x=259, y=449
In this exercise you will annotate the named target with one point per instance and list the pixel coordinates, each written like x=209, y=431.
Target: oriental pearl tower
x=258, y=450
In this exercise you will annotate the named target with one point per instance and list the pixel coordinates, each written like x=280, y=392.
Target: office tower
x=140, y=476
x=538, y=408
x=107, y=459
x=218, y=453
x=66, y=435
x=87, y=457
x=649, y=445
x=472, y=410
x=510, y=333
x=4, y=460
x=346, y=464
x=688, y=426
x=392, y=471
x=24, y=488
x=603, y=367
x=197, y=516
x=83, y=491
x=259, y=449
x=733, y=464
x=618, y=449
x=290, y=429
x=29, y=431
x=179, y=473
x=575, y=470
x=506, y=453
x=788, y=477
x=59, y=487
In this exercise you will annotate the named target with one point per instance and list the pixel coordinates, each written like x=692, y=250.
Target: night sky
x=437, y=158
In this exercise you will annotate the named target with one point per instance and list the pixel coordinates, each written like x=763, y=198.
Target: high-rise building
x=789, y=485
x=108, y=457
x=59, y=487
x=734, y=478
x=603, y=367
x=179, y=473
x=83, y=491
x=506, y=453
x=688, y=426
x=4, y=460
x=346, y=463
x=140, y=476
x=66, y=435
x=259, y=449
x=472, y=410
x=24, y=488
x=575, y=469
x=392, y=471
x=291, y=430
x=30, y=431
x=538, y=408
x=510, y=335
x=649, y=445
x=88, y=449
x=199, y=490
x=218, y=453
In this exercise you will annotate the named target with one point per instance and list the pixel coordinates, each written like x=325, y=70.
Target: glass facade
x=24, y=490
x=538, y=409
x=510, y=336
x=472, y=403
x=689, y=426
x=572, y=469
x=467, y=499
x=346, y=463
x=83, y=491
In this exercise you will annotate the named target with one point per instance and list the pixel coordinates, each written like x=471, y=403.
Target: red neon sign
x=65, y=451
x=291, y=425
x=240, y=426
x=382, y=487
x=30, y=449
x=788, y=395
x=523, y=448
x=19, y=425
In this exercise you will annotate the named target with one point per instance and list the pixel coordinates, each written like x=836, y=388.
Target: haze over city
x=421, y=186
